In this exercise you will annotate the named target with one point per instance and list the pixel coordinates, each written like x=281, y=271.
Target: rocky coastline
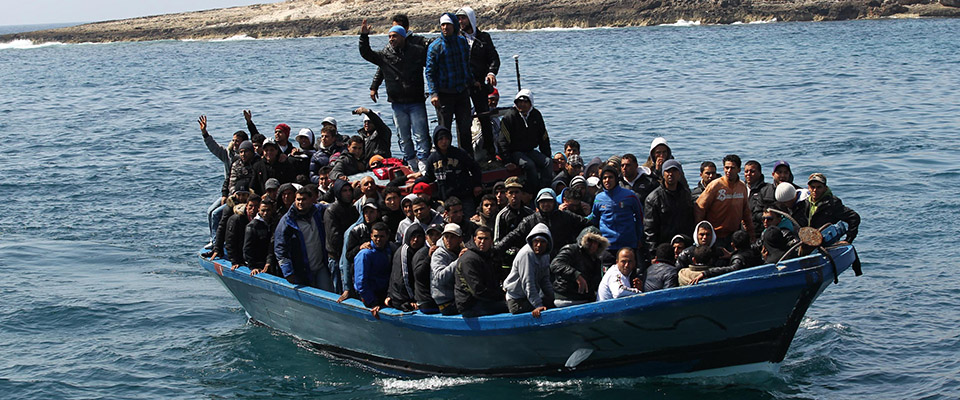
x=311, y=18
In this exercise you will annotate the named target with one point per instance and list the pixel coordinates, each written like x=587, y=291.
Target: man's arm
x=430, y=69
x=375, y=85
x=251, y=127
x=493, y=59
x=651, y=221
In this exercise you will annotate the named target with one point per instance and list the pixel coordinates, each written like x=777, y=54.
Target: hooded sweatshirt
x=402, y=279
x=685, y=259
x=442, y=265
x=523, y=133
x=455, y=171
x=619, y=215
x=448, y=63
x=338, y=218
x=529, y=276
x=484, y=58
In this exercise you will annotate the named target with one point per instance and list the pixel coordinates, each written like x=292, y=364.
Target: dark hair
x=634, y=253
x=741, y=240
x=574, y=193
x=268, y=200
x=706, y=164
x=452, y=201
x=732, y=158
x=402, y=20
x=324, y=170
x=756, y=164
x=391, y=189
x=379, y=226
x=483, y=228
x=303, y=180
x=664, y=253
x=312, y=187
x=243, y=135
x=355, y=139
x=329, y=128
x=488, y=197
x=305, y=191
x=253, y=199
x=703, y=255
x=258, y=138
x=418, y=200
x=572, y=143
x=630, y=157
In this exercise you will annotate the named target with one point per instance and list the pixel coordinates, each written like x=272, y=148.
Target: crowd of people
x=440, y=240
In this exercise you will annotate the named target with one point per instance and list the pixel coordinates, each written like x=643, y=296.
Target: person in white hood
x=485, y=64
x=524, y=142
x=528, y=287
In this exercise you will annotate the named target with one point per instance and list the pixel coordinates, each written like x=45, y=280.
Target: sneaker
x=423, y=165
x=209, y=246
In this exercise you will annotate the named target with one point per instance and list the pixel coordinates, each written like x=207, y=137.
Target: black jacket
x=233, y=238
x=347, y=164
x=762, y=196
x=564, y=227
x=337, y=219
x=830, y=211
x=667, y=213
x=523, y=136
x=484, y=58
x=571, y=262
x=402, y=69
x=378, y=141
x=643, y=186
x=262, y=171
x=455, y=172
x=421, y=273
x=477, y=278
x=400, y=297
x=258, y=244
x=660, y=276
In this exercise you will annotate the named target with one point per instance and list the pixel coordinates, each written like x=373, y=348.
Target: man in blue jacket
x=449, y=78
x=618, y=213
x=299, y=243
x=372, y=269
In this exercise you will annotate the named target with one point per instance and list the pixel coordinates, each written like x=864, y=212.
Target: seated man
x=743, y=257
x=327, y=151
x=442, y=264
x=454, y=171
x=477, y=277
x=337, y=220
x=564, y=226
x=236, y=226
x=487, y=212
x=355, y=240
x=258, y=240
x=704, y=236
x=376, y=135
x=576, y=269
x=662, y=273
x=528, y=287
x=618, y=213
x=402, y=277
x=522, y=132
x=299, y=244
x=619, y=281
x=350, y=162
x=421, y=271
x=453, y=214
x=773, y=245
x=702, y=259
x=372, y=269
x=822, y=208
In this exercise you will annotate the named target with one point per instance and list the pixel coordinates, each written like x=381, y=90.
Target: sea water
x=105, y=183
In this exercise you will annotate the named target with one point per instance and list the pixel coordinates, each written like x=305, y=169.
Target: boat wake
x=398, y=386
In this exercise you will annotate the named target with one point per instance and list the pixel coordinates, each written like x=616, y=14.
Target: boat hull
x=745, y=317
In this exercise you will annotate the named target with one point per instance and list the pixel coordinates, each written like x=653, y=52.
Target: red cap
x=283, y=127
x=494, y=93
x=424, y=188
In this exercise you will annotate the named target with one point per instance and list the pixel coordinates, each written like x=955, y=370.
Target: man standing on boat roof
x=401, y=64
x=485, y=64
x=449, y=79
x=522, y=134
x=299, y=244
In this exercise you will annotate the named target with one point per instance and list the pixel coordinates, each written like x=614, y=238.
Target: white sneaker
x=414, y=165
x=423, y=165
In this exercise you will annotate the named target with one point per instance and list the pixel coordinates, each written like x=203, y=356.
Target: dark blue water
x=106, y=181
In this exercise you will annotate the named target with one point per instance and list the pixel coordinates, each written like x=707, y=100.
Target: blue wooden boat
x=744, y=318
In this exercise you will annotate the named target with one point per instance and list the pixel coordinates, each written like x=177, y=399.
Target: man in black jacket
x=564, y=226
x=272, y=165
x=477, y=278
x=668, y=210
x=761, y=195
x=401, y=292
x=350, y=161
x=822, y=207
x=421, y=271
x=485, y=64
x=456, y=173
x=576, y=269
x=336, y=220
x=258, y=241
x=522, y=133
x=236, y=225
x=662, y=273
x=401, y=64
x=376, y=135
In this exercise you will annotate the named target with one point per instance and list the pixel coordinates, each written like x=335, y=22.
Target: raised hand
x=364, y=28
x=247, y=115
x=203, y=123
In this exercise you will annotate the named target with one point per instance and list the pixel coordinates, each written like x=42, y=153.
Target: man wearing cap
x=822, y=208
x=564, y=226
x=522, y=134
x=298, y=244
x=513, y=212
x=442, y=265
x=782, y=173
x=356, y=239
x=485, y=64
x=641, y=180
x=401, y=63
x=724, y=203
x=708, y=172
x=668, y=210
x=372, y=268
x=351, y=161
x=571, y=168
x=281, y=133
x=421, y=270
x=619, y=214
x=760, y=195
x=449, y=79
x=455, y=172
x=272, y=165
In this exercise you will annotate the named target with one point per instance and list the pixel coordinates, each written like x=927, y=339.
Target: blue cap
x=398, y=29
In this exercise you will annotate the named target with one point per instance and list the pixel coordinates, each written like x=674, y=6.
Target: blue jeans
x=214, y=213
x=409, y=117
x=537, y=167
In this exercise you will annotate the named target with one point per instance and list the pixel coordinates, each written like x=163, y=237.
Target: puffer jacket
x=666, y=214
x=477, y=276
x=529, y=276
x=829, y=210
x=574, y=261
x=402, y=68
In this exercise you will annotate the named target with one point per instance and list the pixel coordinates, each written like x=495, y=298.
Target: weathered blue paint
x=744, y=317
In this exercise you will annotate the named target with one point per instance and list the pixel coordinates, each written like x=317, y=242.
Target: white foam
x=395, y=386
x=21, y=44
x=683, y=23
x=813, y=325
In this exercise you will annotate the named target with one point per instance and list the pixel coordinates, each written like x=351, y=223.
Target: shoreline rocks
x=310, y=18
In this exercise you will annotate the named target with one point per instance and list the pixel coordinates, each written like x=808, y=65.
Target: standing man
x=485, y=64
x=449, y=80
x=668, y=210
x=724, y=203
x=618, y=213
x=708, y=172
x=761, y=195
x=639, y=179
x=401, y=64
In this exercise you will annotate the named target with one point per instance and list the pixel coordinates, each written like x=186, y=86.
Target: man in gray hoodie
x=443, y=263
x=528, y=285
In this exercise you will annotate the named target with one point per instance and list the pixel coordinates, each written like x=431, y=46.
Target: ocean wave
x=813, y=325
x=21, y=44
x=396, y=386
x=683, y=22
x=768, y=21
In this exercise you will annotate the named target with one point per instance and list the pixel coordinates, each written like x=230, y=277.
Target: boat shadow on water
x=741, y=322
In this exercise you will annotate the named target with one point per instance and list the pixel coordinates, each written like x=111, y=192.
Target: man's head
x=434, y=231
x=489, y=206
x=672, y=172
x=574, y=165
x=740, y=240
x=271, y=151
x=609, y=178
x=402, y=20
x=304, y=200
x=305, y=138
x=704, y=235
x=708, y=172
x=423, y=191
x=328, y=135
x=659, y=152
x=397, y=36
x=626, y=261
x=752, y=173
x=266, y=208
x=258, y=140
x=379, y=234
x=664, y=253
x=500, y=193
x=559, y=162
x=771, y=218
x=452, y=237
x=731, y=167
x=540, y=243
x=446, y=25
x=371, y=213
x=246, y=151
x=571, y=147
x=287, y=193
x=391, y=198
x=464, y=18
x=513, y=189
x=453, y=210
x=493, y=99
x=629, y=166
x=281, y=133
x=406, y=204
x=253, y=205
x=355, y=146
x=546, y=201
x=323, y=177
x=421, y=211
x=703, y=255
x=679, y=243
x=781, y=172
x=483, y=238
x=238, y=137
x=442, y=139
x=573, y=195
x=817, y=184
x=417, y=239
x=368, y=187
x=523, y=101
